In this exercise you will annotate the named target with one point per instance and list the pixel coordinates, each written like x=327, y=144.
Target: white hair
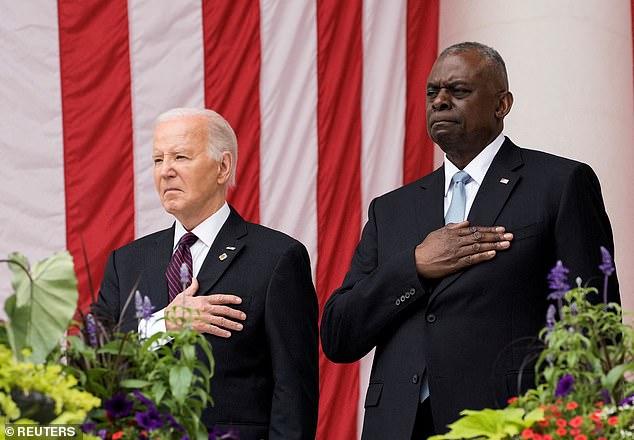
x=220, y=136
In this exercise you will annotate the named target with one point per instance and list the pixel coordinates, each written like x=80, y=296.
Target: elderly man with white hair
x=250, y=285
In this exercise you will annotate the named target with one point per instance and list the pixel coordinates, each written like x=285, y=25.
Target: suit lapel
x=497, y=186
x=429, y=207
x=495, y=190
x=225, y=248
x=157, y=262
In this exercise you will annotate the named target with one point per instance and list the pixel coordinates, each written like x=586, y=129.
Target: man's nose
x=167, y=168
x=442, y=101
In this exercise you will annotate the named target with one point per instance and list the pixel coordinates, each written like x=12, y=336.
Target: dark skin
x=467, y=100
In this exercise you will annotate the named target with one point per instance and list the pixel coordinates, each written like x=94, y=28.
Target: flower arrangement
x=584, y=390
x=117, y=385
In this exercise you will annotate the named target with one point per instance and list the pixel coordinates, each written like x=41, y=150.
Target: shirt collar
x=478, y=167
x=207, y=230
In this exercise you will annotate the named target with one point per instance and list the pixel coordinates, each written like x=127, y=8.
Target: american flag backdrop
x=326, y=98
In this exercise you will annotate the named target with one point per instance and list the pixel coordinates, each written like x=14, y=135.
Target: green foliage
x=584, y=384
x=46, y=295
x=164, y=367
x=494, y=424
x=70, y=403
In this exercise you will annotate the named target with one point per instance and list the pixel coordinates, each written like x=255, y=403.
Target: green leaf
x=615, y=374
x=490, y=424
x=135, y=383
x=180, y=379
x=42, y=305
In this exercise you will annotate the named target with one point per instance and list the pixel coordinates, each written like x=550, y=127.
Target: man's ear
x=505, y=102
x=224, y=167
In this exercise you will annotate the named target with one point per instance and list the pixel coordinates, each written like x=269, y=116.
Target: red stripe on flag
x=97, y=124
x=231, y=33
x=422, y=47
x=339, y=74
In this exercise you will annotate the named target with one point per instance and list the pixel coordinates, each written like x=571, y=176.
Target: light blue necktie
x=456, y=211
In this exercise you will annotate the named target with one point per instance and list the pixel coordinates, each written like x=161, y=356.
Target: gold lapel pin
x=222, y=257
x=504, y=180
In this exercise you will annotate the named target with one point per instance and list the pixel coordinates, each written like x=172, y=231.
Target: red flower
x=561, y=423
x=543, y=423
x=547, y=437
x=512, y=400
x=575, y=431
x=599, y=403
x=594, y=416
x=527, y=433
x=576, y=422
x=614, y=420
x=561, y=431
x=117, y=435
x=572, y=405
x=581, y=437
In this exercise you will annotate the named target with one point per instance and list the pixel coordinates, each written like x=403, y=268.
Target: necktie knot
x=187, y=240
x=461, y=177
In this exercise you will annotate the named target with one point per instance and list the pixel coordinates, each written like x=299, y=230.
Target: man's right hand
x=457, y=246
x=207, y=314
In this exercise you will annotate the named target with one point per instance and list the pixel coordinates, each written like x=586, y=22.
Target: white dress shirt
x=206, y=232
x=477, y=169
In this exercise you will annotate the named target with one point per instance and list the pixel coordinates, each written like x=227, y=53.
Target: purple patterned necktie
x=183, y=255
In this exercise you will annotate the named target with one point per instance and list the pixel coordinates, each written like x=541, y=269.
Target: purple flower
x=606, y=266
x=550, y=317
x=102, y=433
x=144, y=400
x=91, y=329
x=88, y=427
x=173, y=423
x=605, y=394
x=118, y=406
x=558, y=281
x=184, y=274
x=565, y=385
x=143, y=306
x=629, y=400
x=150, y=419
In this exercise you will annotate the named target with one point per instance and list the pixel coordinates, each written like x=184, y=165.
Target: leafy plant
x=42, y=306
x=584, y=387
x=166, y=368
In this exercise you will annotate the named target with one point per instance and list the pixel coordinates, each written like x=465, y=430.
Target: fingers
x=192, y=289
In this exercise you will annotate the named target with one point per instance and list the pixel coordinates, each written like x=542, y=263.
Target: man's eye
x=460, y=92
x=180, y=157
x=158, y=161
x=432, y=93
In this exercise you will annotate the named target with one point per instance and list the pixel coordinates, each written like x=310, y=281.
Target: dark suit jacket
x=469, y=331
x=266, y=376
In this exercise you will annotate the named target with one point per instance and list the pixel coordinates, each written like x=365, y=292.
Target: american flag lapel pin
x=230, y=248
x=504, y=180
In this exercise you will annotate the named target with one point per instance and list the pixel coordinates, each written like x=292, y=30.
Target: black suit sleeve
x=107, y=305
x=369, y=299
x=581, y=227
x=291, y=332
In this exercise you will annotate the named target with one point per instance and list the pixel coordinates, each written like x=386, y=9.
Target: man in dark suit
x=449, y=303
x=252, y=286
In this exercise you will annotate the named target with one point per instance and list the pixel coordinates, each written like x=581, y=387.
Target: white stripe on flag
x=32, y=207
x=383, y=116
x=166, y=52
x=288, y=96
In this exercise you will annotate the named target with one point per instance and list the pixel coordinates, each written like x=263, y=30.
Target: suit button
x=431, y=318
x=412, y=291
x=415, y=379
x=398, y=302
x=407, y=295
x=402, y=298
